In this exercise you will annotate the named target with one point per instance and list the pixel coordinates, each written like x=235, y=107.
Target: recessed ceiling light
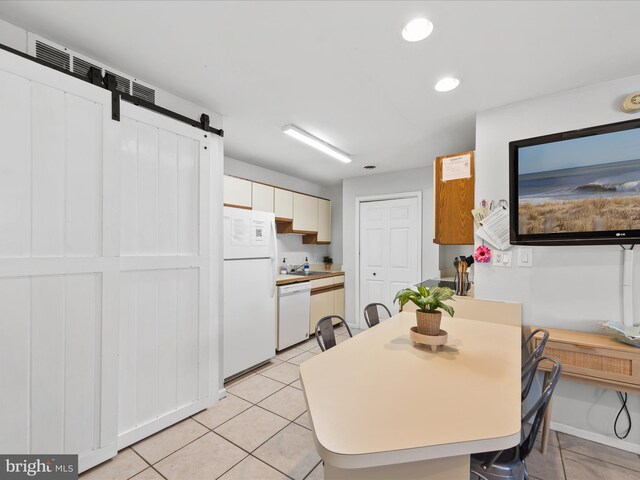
x=315, y=142
x=447, y=84
x=417, y=30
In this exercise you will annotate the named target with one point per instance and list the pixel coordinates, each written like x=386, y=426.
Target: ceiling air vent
x=81, y=67
x=123, y=84
x=52, y=55
x=145, y=93
x=63, y=57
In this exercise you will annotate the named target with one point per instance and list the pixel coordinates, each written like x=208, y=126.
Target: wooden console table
x=593, y=359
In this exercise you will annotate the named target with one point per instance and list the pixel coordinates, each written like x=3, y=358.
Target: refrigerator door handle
x=274, y=255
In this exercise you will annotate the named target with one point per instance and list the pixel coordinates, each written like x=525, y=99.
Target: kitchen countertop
x=288, y=279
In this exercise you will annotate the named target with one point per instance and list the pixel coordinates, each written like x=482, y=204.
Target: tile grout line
x=272, y=436
x=564, y=469
x=230, y=418
x=271, y=466
x=141, y=457
x=314, y=467
x=156, y=470
x=600, y=460
x=175, y=451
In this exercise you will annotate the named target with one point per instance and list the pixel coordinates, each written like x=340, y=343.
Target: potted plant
x=328, y=262
x=429, y=302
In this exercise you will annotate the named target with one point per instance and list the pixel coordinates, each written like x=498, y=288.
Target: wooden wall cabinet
x=283, y=200
x=453, y=202
x=323, y=237
x=305, y=213
x=295, y=212
x=327, y=298
x=262, y=197
x=324, y=221
x=237, y=192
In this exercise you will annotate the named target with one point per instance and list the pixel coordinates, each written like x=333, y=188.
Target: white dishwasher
x=293, y=314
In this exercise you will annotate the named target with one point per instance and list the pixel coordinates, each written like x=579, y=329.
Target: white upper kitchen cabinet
x=324, y=221
x=305, y=213
x=283, y=200
x=237, y=192
x=262, y=200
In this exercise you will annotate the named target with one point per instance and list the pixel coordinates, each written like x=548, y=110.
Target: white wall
x=418, y=179
x=289, y=246
x=16, y=37
x=12, y=36
x=568, y=287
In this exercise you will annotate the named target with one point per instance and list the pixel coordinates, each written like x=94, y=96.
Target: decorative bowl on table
x=434, y=341
x=623, y=333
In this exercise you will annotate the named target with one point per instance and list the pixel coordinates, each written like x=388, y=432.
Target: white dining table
x=383, y=408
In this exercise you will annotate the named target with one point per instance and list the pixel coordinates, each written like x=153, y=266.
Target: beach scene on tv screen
x=587, y=184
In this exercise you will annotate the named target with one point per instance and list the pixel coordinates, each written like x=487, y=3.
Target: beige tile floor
x=261, y=431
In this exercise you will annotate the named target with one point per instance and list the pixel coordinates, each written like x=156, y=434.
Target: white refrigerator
x=249, y=325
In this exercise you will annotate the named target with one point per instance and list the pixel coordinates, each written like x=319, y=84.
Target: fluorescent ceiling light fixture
x=417, y=30
x=447, y=84
x=315, y=142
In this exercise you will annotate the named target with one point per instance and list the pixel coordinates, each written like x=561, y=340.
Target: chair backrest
x=374, y=312
x=528, y=373
x=324, y=330
x=537, y=411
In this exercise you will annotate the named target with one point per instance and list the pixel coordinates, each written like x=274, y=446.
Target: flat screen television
x=576, y=188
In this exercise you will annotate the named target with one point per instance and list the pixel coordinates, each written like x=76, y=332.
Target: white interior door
x=390, y=247
x=164, y=364
x=58, y=264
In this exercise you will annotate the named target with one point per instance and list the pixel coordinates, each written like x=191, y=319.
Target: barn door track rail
x=108, y=81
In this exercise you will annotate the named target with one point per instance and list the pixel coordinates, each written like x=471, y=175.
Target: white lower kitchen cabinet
x=327, y=298
x=104, y=268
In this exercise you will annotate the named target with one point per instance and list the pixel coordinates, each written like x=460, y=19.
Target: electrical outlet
x=525, y=257
x=501, y=259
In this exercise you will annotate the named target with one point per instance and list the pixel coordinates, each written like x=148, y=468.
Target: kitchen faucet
x=295, y=268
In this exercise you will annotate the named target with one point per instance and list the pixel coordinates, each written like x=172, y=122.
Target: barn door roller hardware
x=94, y=76
x=110, y=83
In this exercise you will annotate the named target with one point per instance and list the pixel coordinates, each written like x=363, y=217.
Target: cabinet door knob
x=374, y=274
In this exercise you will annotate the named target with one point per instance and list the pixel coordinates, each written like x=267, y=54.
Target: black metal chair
x=532, y=354
x=510, y=464
x=324, y=330
x=537, y=352
x=374, y=312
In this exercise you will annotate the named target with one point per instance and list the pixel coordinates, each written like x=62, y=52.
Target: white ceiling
x=341, y=70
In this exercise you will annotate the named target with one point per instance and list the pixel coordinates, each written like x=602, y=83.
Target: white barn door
x=164, y=348
x=58, y=264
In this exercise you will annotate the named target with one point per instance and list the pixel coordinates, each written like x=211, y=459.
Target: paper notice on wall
x=240, y=232
x=495, y=228
x=259, y=232
x=479, y=214
x=456, y=167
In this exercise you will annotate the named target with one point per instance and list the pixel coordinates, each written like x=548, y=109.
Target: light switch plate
x=506, y=259
x=525, y=257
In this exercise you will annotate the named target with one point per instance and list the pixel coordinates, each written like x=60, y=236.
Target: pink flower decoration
x=482, y=254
